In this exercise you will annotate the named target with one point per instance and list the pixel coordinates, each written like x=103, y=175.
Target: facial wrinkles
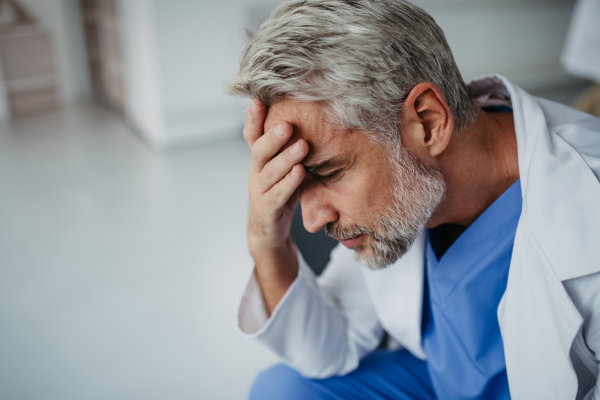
x=417, y=190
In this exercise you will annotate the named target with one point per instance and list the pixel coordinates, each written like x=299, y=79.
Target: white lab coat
x=549, y=315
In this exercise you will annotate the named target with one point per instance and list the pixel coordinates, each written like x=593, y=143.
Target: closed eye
x=325, y=178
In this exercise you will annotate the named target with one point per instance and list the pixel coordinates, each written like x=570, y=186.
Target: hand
x=273, y=182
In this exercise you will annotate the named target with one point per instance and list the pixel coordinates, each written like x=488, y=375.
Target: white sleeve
x=320, y=329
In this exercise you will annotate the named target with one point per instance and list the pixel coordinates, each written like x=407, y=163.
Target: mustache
x=343, y=233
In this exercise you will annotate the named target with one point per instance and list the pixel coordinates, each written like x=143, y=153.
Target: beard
x=416, y=192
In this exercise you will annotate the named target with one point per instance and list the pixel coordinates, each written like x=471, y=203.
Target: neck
x=478, y=165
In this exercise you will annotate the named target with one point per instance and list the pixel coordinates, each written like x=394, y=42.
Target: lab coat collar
x=561, y=200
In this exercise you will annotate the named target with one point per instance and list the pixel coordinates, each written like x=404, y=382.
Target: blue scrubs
x=382, y=375
x=461, y=336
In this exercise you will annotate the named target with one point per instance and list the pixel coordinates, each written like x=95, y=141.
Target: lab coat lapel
x=397, y=294
x=556, y=239
x=560, y=193
x=538, y=323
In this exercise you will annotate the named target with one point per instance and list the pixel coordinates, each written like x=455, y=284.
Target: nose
x=316, y=212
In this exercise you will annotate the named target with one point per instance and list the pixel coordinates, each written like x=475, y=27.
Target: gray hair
x=360, y=58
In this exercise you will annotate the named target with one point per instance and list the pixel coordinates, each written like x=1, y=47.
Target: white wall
x=75, y=53
x=519, y=39
x=199, y=44
x=143, y=103
x=178, y=57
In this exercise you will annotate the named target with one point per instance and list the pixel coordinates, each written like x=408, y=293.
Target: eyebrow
x=320, y=167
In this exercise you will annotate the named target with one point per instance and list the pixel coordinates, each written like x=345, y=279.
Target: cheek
x=362, y=197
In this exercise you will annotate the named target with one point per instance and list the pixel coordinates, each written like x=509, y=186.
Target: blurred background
x=123, y=176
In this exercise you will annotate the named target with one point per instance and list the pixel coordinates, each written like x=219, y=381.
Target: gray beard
x=417, y=191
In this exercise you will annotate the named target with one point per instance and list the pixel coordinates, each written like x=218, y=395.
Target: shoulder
x=579, y=130
x=559, y=165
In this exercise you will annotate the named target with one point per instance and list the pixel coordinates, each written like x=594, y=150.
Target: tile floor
x=120, y=267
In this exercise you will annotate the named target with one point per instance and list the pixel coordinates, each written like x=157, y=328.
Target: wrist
x=262, y=250
x=276, y=269
x=281, y=259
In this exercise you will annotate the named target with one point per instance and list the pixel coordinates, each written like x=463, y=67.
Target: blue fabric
x=381, y=375
x=505, y=109
x=461, y=336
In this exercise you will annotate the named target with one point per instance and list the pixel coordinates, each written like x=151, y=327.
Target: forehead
x=310, y=123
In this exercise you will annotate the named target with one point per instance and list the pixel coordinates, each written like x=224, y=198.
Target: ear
x=427, y=122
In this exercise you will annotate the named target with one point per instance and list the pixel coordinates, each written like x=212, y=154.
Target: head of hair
x=359, y=58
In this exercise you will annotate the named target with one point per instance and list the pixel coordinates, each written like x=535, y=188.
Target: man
x=474, y=211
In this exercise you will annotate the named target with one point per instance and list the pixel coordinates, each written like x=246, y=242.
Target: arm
x=322, y=326
x=318, y=332
x=273, y=180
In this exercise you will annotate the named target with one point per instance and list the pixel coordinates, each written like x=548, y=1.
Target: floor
x=120, y=267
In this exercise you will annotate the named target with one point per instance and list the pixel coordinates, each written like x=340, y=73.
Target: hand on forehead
x=308, y=121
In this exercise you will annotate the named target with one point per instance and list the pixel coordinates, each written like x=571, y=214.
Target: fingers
x=283, y=190
x=278, y=167
x=274, y=177
x=253, y=128
x=266, y=146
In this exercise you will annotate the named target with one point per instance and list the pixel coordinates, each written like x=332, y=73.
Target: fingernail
x=295, y=150
x=279, y=131
x=254, y=106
